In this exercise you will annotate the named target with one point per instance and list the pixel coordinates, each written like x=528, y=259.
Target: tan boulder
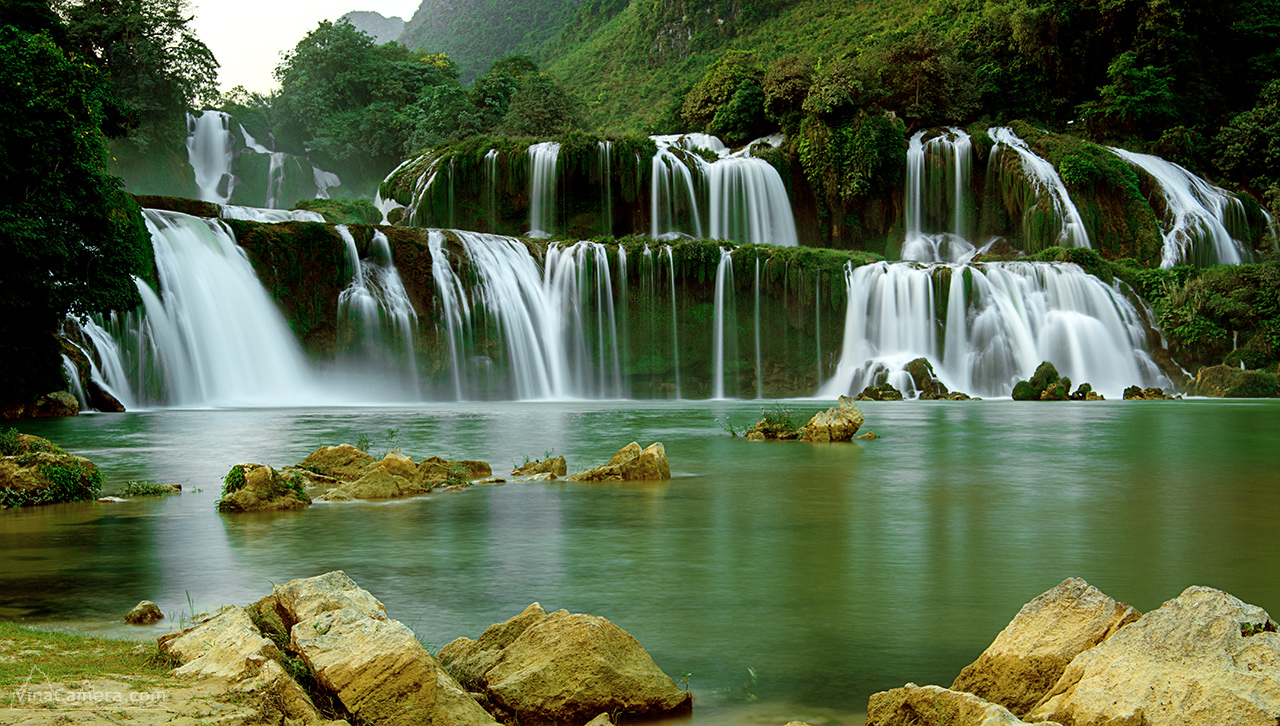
x=552, y=465
x=144, y=613
x=1204, y=657
x=469, y=660
x=261, y=488
x=227, y=645
x=378, y=484
x=914, y=705
x=25, y=479
x=298, y=600
x=1029, y=655
x=381, y=673
x=631, y=463
x=343, y=462
x=435, y=471
x=838, y=423
x=569, y=668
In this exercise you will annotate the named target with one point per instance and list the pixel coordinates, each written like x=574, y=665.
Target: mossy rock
x=882, y=392
x=37, y=471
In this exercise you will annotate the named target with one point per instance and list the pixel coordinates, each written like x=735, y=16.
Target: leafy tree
x=735, y=71
x=1249, y=147
x=923, y=80
x=541, y=107
x=785, y=85
x=156, y=66
x=70, y=240
x=1136, y=100
x=343, y=96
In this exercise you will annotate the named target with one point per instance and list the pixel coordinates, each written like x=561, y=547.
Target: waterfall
x=723, y=309
x=73, y=382
x=491, y=187
x=936, y=198
x=604, y=167
x=376, y=320
x=759, y=369
x=455, y=306
x=673, y=199
x=216, y=336
x=269, y=216
x=555, y=323
x=110, y=375
x=209, y=147
x=542, y=189
x=1047, y=186
x=1002, y=320
x=622, y=317
x=675, y=324
x=1197, y=215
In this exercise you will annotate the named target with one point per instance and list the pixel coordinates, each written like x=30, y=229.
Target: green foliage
x=1228, y=309
x=541, y=107
x=146, y=489
x=777, y=421
x=1249, y=145
x=343, y=211
x=487, y=30
x=1255, y=384
x=458, y=475
x=728, y=101
x=70, y=240
x=70, y=480
x=863, y=155
x=233, y=481
x=1135, y=100
x=10, y=444
x=786, y=85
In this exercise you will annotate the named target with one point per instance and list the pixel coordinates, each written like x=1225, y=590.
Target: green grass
x=145, y=489
x=62, y=657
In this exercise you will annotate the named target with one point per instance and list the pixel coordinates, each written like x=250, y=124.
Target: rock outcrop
x=1203, y=657
x=59, y=404
x=258, y=487
x=631, y=464
x=343, y=473
x=1134, y=393
x=144, y=613
x=37, y=471
x=1230, y=382
x=565, y=668
x=928, y=386
x=228, y=646
x=554, y=465
x=882, y=392
x=914, y=705
x=343, y=462
x=1045, y=385
x=838, y=423
x=1028, y=657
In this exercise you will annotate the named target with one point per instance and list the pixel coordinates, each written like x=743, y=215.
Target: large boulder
x=1045, y=385
x=1231, y=382
x=37, y=471
x=228, y=646
x=1204, y=657
x=569, y=668
x=914, y=705
x=468, y=660
x=839, y=423
x=144, y=613
x=554, y=465
x=386, y=479
x=631, y=463
x=305, y=598
x=258, y=487
x=381, y=673
x=343, y=462
x=1029, y=655
x=882, y=392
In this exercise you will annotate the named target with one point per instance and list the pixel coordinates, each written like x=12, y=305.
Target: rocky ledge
x=361, y=666
x=37, y=471
x=1076, y=657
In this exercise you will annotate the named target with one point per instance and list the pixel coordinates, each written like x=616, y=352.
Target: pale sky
x=248, y=37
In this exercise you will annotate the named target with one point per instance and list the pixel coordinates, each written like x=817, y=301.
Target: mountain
x=383, y=30
x=475, y=33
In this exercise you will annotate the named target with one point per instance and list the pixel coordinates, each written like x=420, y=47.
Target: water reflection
x=831, y=571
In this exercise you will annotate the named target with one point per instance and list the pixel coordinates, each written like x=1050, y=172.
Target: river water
x=788, y=580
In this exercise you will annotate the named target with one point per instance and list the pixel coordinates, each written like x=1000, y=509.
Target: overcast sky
x=247, y=37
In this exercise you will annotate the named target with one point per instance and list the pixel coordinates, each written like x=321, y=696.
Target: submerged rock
x=882, y=392
x=838, y=423
x=144, y=613
x=1133, y=393
x=1203, y=657
x=258, y=487
x=914, y=705
x=1029, y=655
x=631, y=464
x=564, y=668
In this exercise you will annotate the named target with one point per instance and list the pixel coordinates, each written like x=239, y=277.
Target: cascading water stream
x=675, y=326
x=604, y=155
x=673, y=197
x=217, y=336
x=759, y=368
x=1047, y=185
x=209, y=148
x=376, y=319
x=542, y=189
x=935, y=198
x=110, y=374
x=1197, y=215
x=723, y=304
x=1002, y=320
x=73, y=382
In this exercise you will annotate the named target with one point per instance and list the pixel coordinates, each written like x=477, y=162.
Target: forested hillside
x=475, y=33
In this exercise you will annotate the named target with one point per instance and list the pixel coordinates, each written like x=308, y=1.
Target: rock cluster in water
x=369, y=668
x=1074, y=656
x=1047, y=385
x=37, y=471
x=631, y=463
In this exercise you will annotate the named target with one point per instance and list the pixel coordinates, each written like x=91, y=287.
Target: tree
x=727, y=100
x=541, y=107
x=785, y=85
x=1138, y=99
x=70, y=240
x=156, y=66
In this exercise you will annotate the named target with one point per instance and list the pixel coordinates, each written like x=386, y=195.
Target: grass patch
x=63, y=657
x=146, y=489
